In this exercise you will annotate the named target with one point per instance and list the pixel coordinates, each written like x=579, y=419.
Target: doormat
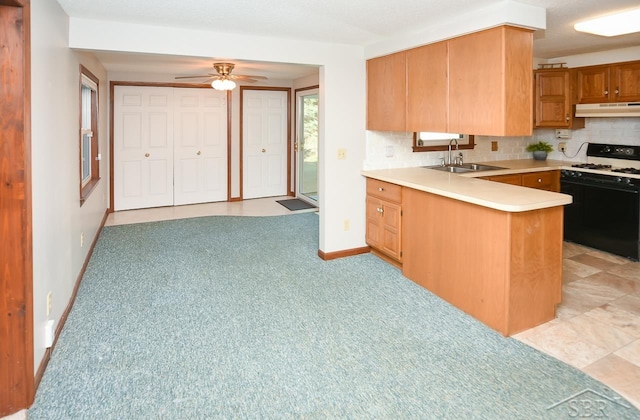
x=296, y=204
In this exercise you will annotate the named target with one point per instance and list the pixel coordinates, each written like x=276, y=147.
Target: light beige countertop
x=465, y=187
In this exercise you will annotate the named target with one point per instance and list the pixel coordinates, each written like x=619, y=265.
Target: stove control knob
x=578, y=174
x=627, y=180
x=618, y=179
x=606, y=149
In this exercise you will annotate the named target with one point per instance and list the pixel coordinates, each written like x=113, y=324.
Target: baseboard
x=47, y=354
x=344, y=253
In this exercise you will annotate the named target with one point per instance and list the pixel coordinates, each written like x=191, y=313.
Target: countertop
x=465, y=187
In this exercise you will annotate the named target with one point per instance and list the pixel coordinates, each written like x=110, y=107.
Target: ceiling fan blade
x=243, y=78
x=195, y=77
x=249, y=76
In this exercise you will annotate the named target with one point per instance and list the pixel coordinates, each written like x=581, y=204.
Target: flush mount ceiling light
x=612, y=25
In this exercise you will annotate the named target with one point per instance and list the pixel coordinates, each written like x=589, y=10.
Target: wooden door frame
x=112, y=86
x=241, y=131
x=17, y=382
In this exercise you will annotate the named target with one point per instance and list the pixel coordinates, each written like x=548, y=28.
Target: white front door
x=143, y=147
x=200, y=138
x=264, y=142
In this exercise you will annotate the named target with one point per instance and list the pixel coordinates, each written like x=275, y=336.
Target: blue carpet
x=231, y=317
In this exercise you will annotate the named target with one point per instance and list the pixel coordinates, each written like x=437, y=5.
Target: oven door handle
x=594, y=185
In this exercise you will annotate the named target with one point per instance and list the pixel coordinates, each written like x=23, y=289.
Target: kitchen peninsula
x=491, y=249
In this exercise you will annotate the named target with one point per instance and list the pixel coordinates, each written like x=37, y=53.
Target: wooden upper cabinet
x=491, y=82
x=386, y=93
x=626, y=82
x=554, y=99
x=618, y=82
x=427, y=88
x=593, y=84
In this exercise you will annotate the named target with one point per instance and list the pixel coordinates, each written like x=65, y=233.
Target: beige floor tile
x=612, y=282
x=601, y=334
x=570, y=249
x=628, y=303
x=631, y=353
x=606, y=256
x=599, y=286
x=563, y=342
x=621, y=375
x=618, y=317
x=576, y=299
x=568, y=276
x=255, y=207
x=593, y=261
x=630, y=270
x=579, y=269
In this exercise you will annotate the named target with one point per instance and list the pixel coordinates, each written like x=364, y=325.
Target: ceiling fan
x=223, y=79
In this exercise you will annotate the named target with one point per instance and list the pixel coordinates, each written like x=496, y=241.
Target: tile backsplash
x=394, y=149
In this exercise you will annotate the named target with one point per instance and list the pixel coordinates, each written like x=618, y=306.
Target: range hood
x=615, y=109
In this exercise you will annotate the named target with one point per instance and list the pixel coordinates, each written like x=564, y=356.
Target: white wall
x=58, y=219
x=342, y=105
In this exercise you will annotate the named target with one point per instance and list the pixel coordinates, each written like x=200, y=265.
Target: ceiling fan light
x=612, y=25
x=223, y=84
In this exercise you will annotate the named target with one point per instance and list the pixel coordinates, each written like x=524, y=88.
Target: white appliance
x=614, y=109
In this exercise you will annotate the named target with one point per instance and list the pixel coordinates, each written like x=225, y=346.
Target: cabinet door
x=625, y=81
x=491, y=82
x=513, y=179
x=553, y=105
x=386, y=93
x=427, y=88
x=547, y=180
x=593, y=84
x=384, y=227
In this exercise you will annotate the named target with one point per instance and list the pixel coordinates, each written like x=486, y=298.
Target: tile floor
x=597, y=328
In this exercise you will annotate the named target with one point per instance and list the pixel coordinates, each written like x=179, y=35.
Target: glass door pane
x=308, y=145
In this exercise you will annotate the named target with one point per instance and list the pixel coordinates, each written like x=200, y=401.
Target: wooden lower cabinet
x=504, y=269
x=384, y=218
x=544, y=180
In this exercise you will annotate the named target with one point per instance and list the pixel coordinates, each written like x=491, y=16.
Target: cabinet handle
x=380, y=210
x=146, y=155
x=606, y=93
x=198, y=153
x=380, y=189
x=617, y=90
x=567, y=117
x=539, y=180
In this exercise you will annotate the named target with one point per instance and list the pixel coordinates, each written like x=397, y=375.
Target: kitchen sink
x=467, y=167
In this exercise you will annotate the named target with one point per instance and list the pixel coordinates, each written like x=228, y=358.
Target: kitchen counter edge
x=465, y=187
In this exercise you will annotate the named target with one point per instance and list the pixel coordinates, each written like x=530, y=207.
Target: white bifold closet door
x=200, y=146
x=170, y=146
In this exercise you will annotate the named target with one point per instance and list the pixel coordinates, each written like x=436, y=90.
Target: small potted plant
x=540, y=150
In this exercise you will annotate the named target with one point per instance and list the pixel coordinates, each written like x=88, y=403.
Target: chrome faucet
x=452, y=140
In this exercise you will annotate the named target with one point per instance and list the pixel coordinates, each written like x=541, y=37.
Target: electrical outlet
x=494, y=146
x=562, y=146
x=342, y=154
x=81, y=239
x=49, y=302
x=346, y=224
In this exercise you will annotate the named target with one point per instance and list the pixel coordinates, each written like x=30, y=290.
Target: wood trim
x=63, y=319
x=295, y=133
x=229, y=111
x=327, y=256
x=16, y=261
x=112, y=86
x=241, y=145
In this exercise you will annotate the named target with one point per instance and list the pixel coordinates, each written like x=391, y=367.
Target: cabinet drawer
x=384, y=190
x=514, y=179
x=541, y=180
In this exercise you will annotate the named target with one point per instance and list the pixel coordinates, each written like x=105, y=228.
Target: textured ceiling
x=359, y=22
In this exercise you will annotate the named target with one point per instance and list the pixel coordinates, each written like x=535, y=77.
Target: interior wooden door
x=16, y=258
x=143, y=147
x=200, y=146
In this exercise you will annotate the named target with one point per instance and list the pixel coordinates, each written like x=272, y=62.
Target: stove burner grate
x=591, y=166
x=633, y=171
